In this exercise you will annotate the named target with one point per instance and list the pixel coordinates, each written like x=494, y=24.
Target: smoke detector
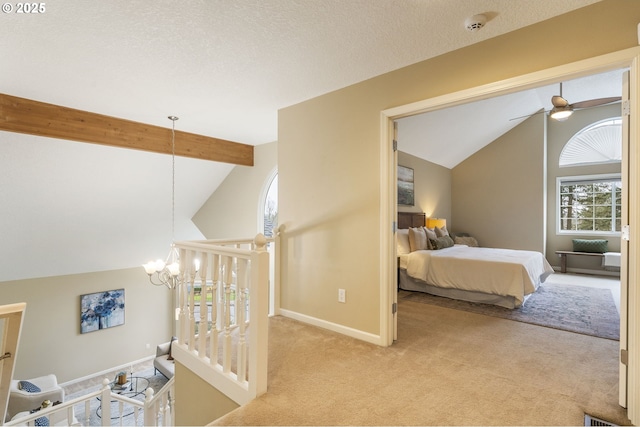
x=475, y=22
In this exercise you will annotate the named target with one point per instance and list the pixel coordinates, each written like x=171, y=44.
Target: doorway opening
x=389, y=173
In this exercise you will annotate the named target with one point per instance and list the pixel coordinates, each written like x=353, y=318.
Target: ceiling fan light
x=561, y=113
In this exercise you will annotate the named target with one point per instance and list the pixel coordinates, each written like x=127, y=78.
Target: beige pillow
x=431, y=233
x=402, y=237
x=417, y=239
x=441, y=232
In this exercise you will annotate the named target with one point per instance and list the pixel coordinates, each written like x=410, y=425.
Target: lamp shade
x=436, y=222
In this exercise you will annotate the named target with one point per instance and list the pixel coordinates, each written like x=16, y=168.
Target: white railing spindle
x=240, y=312
x=226, y=343
x=204, y=321
x=215, y=271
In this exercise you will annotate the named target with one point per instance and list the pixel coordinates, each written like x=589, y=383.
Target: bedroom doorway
x=626, y=59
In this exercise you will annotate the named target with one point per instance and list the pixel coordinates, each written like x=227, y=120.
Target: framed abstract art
x=101, y=310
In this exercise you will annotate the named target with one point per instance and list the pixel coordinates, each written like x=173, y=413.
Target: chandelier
x=166, y=272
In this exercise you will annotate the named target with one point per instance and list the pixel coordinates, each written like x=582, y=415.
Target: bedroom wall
x=232, y=210
x=329, y=166
x=499, y=192
x=51, y=341
x=558, y=135
x=432, y=187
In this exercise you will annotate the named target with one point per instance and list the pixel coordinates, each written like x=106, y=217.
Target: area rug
x=156, y=381
x=579, y=309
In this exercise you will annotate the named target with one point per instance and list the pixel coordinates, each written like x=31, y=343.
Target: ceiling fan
x=562, y=109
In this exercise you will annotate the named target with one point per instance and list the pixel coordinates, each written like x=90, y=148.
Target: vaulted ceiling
x=223, y=67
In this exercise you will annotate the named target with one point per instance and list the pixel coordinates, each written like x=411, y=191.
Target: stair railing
x=223, y=314
x=155, y=410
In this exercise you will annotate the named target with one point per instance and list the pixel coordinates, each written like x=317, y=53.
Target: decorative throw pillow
x=442, y=242
x=441, y=231
x=417, y=239
x=402, y=238
x=42, y=421
x=590, y=245
x=28, y=387
x=431, y=234
x=466, y=240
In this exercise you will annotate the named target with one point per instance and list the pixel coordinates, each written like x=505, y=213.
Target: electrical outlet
x=342, y=295
x=147, y=346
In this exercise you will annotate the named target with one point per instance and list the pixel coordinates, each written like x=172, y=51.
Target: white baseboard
x=590, y=271
x=124, y=367
x=341, y=329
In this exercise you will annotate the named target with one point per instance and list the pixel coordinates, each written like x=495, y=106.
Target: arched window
x=270, y=206
x=600, y=142
x=591, y=204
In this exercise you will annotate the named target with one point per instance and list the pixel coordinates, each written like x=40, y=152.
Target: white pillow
x=402, y=238
x=418, y=239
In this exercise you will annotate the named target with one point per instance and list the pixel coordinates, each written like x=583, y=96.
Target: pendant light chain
x=166, y=272
x=173, y=177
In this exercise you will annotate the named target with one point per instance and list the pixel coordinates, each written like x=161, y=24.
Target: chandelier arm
x=164, y=277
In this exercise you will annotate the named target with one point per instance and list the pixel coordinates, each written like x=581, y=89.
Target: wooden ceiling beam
x=53, y=121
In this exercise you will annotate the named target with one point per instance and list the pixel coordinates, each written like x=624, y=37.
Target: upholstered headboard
x=411, y=219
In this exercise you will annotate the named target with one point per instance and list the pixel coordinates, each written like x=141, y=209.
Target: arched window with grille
x=598, y=143
x=591, y=204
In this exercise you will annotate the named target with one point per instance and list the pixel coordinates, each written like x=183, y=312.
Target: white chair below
x=21, y=400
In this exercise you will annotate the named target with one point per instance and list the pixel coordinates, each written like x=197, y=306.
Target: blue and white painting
x=101, y=310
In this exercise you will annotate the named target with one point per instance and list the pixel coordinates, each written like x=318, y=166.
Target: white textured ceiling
x=224, y=67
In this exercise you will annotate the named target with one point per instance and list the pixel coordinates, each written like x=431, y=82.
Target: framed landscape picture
x=405, y=186
x=101, y=310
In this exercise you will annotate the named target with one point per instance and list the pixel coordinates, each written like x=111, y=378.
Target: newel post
x=260, y=243
x=149, y=411
x=259, y=315
x=105, y=402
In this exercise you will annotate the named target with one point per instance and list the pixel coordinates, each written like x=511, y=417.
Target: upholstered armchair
x=25, y=395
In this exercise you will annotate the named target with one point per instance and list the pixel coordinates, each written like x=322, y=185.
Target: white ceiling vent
x=474, y=23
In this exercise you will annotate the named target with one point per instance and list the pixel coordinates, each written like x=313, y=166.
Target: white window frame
x=559, y=182
x=263, y=198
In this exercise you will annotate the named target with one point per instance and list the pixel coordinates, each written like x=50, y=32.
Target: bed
x=503, y=277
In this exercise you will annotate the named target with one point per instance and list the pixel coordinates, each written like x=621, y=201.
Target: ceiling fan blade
x=529, y=115
x=558, y=101
x=596, y=102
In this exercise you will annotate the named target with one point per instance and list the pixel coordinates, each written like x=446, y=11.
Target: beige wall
x=329, y=163
x=559, y=134
x=232, y=210
x=197, y=403
x=499, y=192
x=51, y=341
x=432, y=187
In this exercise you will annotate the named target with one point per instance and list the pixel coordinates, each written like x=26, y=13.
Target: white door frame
x=628, y=58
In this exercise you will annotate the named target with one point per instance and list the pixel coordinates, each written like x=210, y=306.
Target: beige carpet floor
x=448, y=367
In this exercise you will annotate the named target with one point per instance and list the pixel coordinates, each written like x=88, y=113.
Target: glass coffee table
x=134, y=387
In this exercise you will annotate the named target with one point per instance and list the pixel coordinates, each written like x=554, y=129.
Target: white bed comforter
x=503, y=272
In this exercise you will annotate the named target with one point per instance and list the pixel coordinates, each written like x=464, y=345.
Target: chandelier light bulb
x=174, y=268
x=150, y=267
